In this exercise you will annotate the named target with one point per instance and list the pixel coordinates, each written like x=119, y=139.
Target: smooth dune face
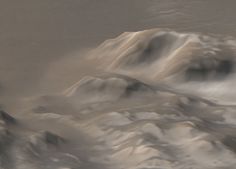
x=159, y=98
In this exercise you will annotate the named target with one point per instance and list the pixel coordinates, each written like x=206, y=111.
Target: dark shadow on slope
x=8, y=119
x=159, y=46
x=230, y=142
x=209, y=69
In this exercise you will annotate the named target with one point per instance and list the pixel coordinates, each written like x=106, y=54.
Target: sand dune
x=135, y=114
x=73, y=98
x=186, y=60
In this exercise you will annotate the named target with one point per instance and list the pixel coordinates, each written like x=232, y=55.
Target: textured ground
x=145, y=108
x=159, y=95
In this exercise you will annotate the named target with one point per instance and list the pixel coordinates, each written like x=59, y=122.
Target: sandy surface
x=117, y=84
